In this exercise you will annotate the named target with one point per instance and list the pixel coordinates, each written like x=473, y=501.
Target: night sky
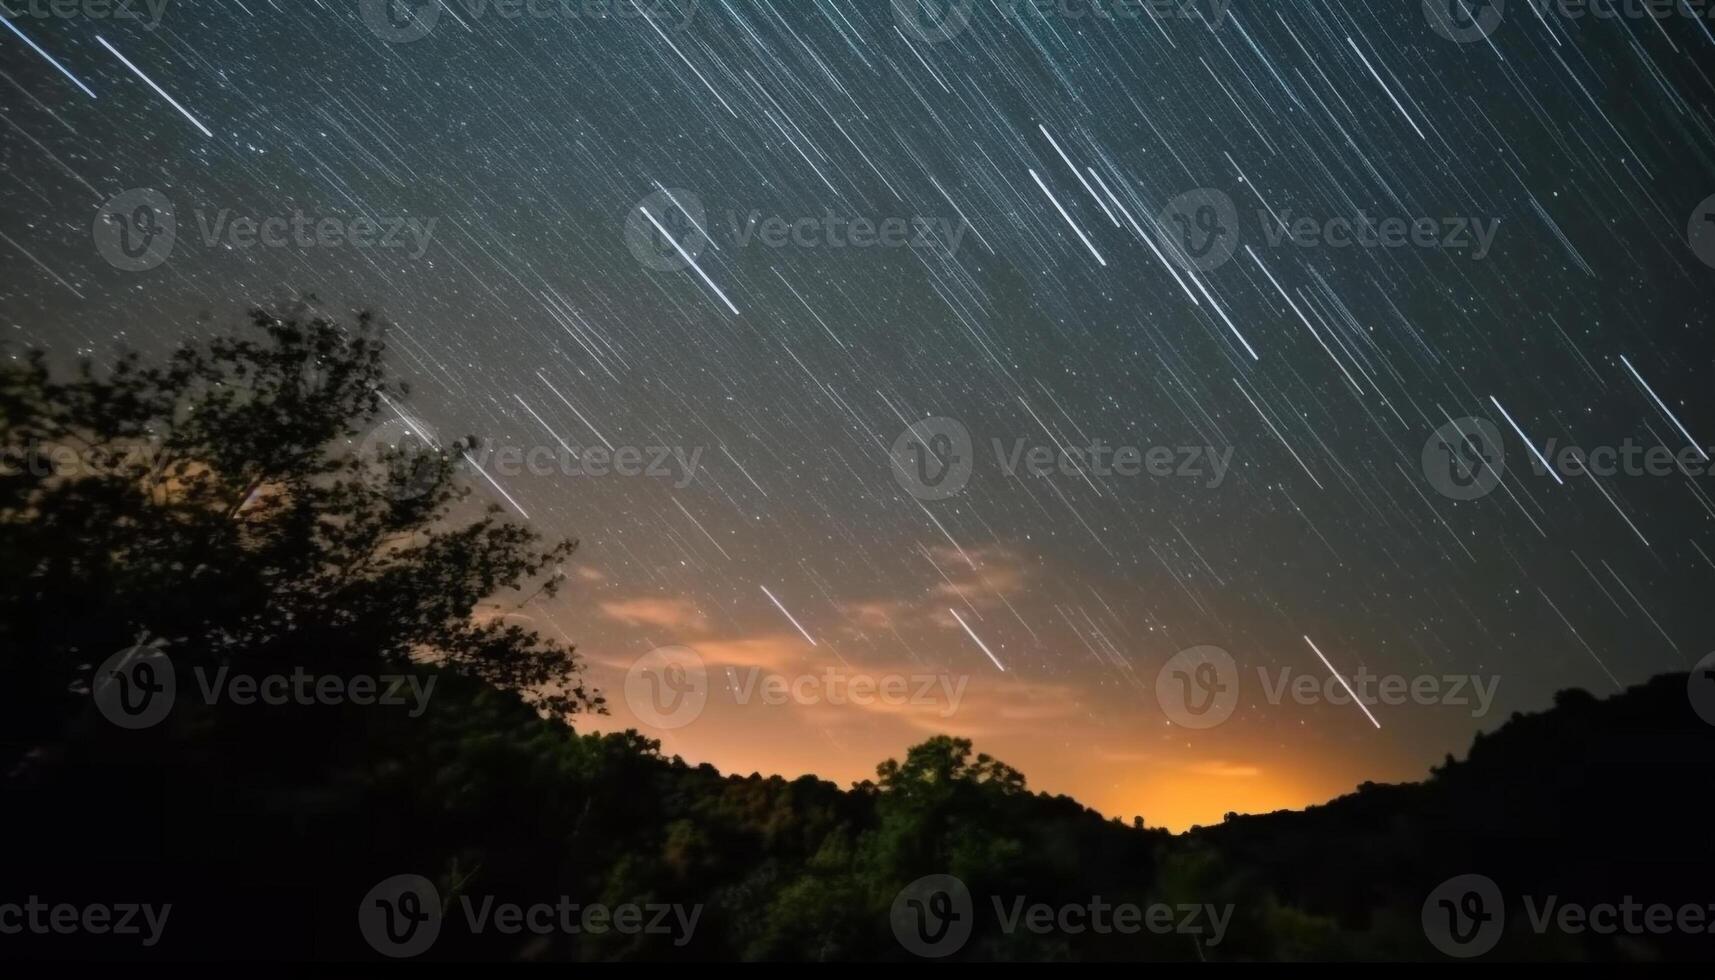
x=1074, y=237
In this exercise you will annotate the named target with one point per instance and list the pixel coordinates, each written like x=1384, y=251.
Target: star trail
x=921, y=338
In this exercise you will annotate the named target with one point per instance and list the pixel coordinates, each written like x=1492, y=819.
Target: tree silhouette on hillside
x=227, y=502
x=260, y=502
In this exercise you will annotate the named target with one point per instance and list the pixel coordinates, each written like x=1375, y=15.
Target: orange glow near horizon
x=1142, y=766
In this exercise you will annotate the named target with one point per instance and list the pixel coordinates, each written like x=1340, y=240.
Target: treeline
x=230, y=507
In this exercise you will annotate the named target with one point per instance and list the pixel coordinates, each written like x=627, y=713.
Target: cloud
x=998, y=573
x=670, y=614
x=1224, y=770
x=876, y=614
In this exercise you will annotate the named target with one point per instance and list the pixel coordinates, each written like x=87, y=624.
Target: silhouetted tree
x=222, y=501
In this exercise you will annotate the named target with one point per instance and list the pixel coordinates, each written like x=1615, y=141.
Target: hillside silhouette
x=217, y=506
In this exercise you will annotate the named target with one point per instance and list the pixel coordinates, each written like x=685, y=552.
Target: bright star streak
x=38, y=49
x=1664, y=409
x=788, y=615
x=151, y=83
x=978, y=640
x=1355, y=700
